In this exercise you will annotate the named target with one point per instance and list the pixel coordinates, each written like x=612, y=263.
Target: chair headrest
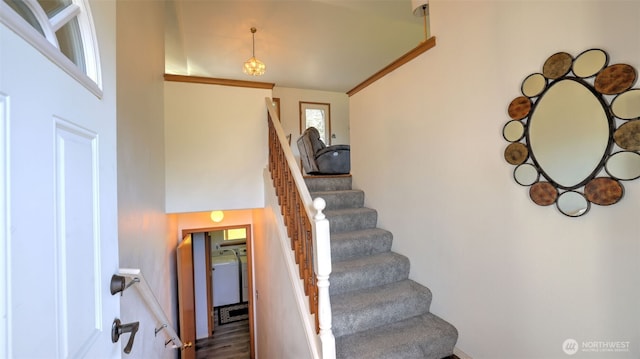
x=314, y=136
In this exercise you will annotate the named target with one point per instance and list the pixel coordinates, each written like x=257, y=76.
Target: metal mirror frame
x=607, y=83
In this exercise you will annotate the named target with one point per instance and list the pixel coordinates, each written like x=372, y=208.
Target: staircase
x=378, y=313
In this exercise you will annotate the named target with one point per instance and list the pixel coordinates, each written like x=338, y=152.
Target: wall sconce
x=421, y=8
x=217, y=216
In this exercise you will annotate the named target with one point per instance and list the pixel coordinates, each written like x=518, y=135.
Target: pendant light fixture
x=421, y=8
x=253, y=66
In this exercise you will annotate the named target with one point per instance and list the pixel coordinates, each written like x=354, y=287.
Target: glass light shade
x=254, y=67
x=217, y=216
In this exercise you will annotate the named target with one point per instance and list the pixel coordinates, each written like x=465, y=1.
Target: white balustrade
x=135, y=276
x=322, y=266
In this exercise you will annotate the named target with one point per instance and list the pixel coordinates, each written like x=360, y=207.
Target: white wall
x=290, y=112
x=515, y=278
x=279, y=328
x=216, y=147
x=146, y=236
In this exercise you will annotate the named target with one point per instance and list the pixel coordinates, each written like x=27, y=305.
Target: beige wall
x=146, y=239
x=216, y=141
x=515, y=278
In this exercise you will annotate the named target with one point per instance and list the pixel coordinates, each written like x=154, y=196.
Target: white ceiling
x=330, y=45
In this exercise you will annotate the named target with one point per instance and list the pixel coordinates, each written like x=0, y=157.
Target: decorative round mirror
x=575, y=132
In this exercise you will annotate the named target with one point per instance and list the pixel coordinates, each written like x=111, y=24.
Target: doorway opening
x=223, y=283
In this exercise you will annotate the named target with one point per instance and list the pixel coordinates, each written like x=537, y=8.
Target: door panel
x=186, y=300
x=78, y=239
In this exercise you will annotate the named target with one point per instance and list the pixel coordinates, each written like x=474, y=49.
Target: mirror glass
x=513, y=131
x=624, y=165
x=627, y=105
x=590, y=63
x=526, y=174
x=575, y=133
x=568, y=133
x=572, y=204
x=533, y=85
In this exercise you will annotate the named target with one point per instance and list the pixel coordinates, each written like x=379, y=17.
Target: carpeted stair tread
x=328, y=183
x=350, y=198
x=380, y=305
x=368, y=271
x=377, y=311
x=421, y=337
x=351, y=219
x=364, y=242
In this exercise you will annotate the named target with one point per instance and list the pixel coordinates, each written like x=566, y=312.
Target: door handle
x=118, y=329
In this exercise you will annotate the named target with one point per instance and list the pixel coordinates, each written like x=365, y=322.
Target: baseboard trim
x=460, y=354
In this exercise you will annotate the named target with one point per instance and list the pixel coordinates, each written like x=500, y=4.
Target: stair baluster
x=307, y=228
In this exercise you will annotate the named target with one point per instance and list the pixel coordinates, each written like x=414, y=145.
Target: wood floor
x=229, y=341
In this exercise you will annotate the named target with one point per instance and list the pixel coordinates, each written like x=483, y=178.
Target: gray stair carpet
x=378, y=312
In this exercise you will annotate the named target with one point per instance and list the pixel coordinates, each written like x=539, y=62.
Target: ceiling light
x=421, y=8
x=217, y=216
x=253, y=66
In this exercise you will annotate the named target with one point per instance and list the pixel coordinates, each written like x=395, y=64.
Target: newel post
x=322, y=268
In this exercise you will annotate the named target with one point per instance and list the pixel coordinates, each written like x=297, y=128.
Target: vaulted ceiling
x=330, y=45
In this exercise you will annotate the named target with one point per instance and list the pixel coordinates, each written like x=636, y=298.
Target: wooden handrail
x=306, y=226
x=413, y=53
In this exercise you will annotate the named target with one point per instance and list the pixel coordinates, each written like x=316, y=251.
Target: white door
x=59, y=248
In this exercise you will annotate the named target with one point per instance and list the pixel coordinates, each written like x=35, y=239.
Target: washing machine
x=225, y=277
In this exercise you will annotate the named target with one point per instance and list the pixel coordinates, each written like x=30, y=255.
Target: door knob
x=118, y=329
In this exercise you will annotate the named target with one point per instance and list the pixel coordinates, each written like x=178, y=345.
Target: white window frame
x=48, y=45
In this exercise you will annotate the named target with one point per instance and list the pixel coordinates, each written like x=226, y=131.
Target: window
x=318, y=115
x=232, y=234
x=228, y=236
x=60, y=29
